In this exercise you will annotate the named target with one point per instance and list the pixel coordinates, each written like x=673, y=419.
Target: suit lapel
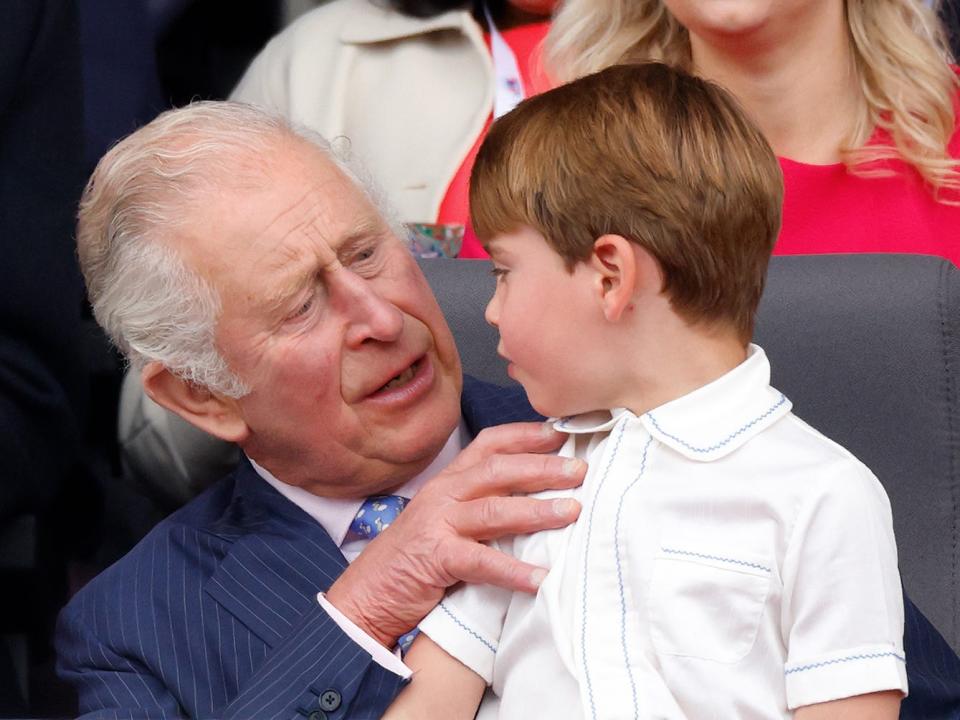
x=484, y=404
x=278, y=560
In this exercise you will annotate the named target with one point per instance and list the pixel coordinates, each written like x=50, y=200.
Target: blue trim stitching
x=586, y=556
x=623, y=600
x=849, y=658
x=674, y=551
x=461, y=624
x=725, y=441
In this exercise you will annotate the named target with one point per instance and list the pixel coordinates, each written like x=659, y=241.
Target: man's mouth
x=403, y=378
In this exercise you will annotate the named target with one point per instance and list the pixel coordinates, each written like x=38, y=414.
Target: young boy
x=729, y=561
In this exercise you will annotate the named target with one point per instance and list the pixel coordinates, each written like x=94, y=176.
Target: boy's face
x=549, y=322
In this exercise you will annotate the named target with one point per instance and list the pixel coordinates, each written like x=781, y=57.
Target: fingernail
x=564, y=507
x=546, y=429
x=572, y=467
x=537, y=576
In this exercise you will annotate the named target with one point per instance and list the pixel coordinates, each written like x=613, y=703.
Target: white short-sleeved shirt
x=729, y=562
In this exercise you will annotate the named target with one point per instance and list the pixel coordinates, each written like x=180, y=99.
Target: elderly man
x=240, y=263
x=244, y=268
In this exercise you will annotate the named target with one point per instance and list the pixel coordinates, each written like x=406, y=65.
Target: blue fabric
x=376, y=515
x=214, y=614
x=485, y=405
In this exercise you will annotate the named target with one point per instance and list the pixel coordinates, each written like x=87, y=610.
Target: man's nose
x=370, y=315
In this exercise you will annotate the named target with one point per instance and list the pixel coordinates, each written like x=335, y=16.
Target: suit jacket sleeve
x=215, y=615
x=313, y=657
x=933, y=670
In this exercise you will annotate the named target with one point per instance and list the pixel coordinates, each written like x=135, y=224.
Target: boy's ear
x=215, y=414
x=624, y=270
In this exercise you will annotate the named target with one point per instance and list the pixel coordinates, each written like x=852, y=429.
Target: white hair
x=152, y=305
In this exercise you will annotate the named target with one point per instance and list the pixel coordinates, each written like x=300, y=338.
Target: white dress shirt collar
x=336, y=514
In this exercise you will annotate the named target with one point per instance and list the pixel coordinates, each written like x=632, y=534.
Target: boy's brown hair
x=651, y=153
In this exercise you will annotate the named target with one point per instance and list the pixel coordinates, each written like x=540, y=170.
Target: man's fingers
x=527, y=473
x=493, y=517
x=476, y=563
x=528, y=437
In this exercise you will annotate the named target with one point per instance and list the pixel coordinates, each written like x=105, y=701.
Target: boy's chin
x=549, y=407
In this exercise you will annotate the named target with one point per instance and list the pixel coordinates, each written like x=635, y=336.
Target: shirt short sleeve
x=842, y=601
x=467, y=625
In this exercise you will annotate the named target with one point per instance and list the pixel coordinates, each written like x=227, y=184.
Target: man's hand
x=437, y=540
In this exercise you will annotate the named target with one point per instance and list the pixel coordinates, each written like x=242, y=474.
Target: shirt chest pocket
x=707, y=603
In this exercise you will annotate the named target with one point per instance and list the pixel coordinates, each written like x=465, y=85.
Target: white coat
x=411, y=95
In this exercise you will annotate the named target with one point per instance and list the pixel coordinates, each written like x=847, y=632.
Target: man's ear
x=215, y=414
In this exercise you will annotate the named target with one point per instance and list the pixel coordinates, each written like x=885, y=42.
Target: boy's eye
x=499, y=273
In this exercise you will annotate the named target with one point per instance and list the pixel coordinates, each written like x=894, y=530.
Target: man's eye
x=362, y=255
x=499, y=273
x=303, y=309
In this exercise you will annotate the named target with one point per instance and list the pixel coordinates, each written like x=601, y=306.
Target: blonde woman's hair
x=900, y=53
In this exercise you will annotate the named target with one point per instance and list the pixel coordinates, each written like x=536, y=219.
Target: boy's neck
x=660, y=357
x=681, y=368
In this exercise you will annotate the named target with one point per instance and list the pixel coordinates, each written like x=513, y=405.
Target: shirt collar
x=336, y=514
x=379, y=24
x=710, y=422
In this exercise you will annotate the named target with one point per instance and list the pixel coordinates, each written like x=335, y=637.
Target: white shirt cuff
x=383, y=657
x=448, y=627
x=857, y=671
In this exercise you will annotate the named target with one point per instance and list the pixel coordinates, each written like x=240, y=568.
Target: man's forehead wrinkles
x=362, y=230
x=290, y=210
x=304, y=219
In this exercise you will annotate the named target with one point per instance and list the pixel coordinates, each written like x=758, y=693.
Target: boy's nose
x=492, y=313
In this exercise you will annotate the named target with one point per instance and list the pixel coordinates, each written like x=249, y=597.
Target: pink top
x=828, y=210
x=525, y=41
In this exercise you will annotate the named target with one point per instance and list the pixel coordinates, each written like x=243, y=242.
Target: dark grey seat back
x=866, y=347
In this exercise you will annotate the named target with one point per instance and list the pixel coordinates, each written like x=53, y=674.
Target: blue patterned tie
x=374, y=516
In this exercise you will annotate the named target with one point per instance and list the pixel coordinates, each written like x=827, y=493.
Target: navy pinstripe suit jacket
x=214, y=614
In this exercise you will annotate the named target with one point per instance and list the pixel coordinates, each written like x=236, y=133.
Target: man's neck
x=368, y=476
x=795, y=79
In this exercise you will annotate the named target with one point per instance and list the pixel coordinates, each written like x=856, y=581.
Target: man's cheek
x=296, y=386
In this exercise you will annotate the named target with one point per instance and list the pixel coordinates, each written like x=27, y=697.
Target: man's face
x=355, y=375
x=547, y=318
